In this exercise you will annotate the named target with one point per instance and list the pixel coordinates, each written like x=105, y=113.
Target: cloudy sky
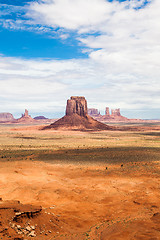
x=105, y=50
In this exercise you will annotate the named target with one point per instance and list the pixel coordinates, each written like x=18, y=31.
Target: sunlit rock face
x=76, y=105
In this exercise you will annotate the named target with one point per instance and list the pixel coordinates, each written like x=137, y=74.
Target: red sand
x=80, y=201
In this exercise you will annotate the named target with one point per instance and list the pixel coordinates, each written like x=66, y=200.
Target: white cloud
x=70, y=14
x=123, y=45
x=85, y=15
x=43, y=86
x=128, y=39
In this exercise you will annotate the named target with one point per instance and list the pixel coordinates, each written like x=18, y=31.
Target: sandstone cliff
x=76, y=105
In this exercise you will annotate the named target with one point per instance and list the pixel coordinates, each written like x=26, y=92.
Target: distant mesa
x=77, y=117
x=40, y=118
x=6, y=117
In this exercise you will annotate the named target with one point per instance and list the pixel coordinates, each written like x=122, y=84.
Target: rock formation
x=76, y=105
x=25, y=221
x=6, y=117
x=115, y=112
x=77, y=118
x=115, y=116
x=25, y=118
x=40, y=118
x=26, y=115
x=107, y=112
x=93, y=111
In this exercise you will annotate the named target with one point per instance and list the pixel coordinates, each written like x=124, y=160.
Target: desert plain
x=97, y=185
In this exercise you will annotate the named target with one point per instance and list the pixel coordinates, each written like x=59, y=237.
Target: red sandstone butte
x=77, y=117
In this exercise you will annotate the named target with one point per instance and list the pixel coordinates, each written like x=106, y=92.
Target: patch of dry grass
x=104, y=147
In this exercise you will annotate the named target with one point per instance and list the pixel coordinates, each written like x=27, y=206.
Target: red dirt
x=81, y=200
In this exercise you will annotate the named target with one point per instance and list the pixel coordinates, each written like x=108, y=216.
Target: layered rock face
x=76, y=105
x=76, y=117
x=6, y=117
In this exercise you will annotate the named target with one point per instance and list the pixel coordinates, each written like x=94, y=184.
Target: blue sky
x=30, y=41
x=108, y=51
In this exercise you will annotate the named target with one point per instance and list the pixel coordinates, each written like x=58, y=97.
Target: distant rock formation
x=40, y=118
x=107, y=112
x=25, y=118
x=6, y=117
x=115, y=112
x=77, y=118
x=26, y=115
x=93, y=112
x=115, y=115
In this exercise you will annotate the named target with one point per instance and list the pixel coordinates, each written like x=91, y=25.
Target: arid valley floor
x=102, y=185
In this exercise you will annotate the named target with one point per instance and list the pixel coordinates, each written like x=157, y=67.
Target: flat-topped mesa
x=115, y=112
x=76, y=105
x=6, y=117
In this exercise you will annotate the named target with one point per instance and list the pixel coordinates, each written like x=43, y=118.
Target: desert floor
x=79, y=185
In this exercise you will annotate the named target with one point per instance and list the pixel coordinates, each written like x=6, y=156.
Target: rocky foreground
x=26, y=221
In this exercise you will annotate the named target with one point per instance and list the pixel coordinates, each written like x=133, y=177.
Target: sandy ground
x=101, y=201
x=86, y=196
